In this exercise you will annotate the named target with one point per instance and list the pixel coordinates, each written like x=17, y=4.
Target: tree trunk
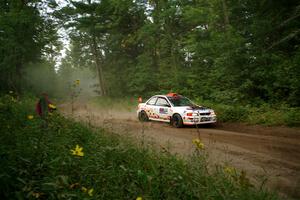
x=18, y=80
x=226, y=17
x=98, y=65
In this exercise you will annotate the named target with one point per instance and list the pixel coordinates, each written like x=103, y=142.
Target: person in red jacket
x=44, y=106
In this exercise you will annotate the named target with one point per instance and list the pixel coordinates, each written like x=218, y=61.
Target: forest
x=94, y=58
x=224, y=51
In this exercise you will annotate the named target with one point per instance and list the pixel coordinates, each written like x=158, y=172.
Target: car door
x=150, y=108
x=162, y=109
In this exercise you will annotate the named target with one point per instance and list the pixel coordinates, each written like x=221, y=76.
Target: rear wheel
x=177, y=121
x=143, y=117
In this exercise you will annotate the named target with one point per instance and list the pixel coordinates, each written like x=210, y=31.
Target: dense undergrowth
x=264, y=114
x=37, y=163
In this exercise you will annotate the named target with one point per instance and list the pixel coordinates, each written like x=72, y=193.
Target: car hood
x=200, y=109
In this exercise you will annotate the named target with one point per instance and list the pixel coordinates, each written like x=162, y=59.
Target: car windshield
x=181, y=101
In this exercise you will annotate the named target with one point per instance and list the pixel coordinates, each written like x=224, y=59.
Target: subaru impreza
x=176, y=110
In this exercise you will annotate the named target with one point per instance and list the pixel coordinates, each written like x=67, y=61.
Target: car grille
x=203, y=114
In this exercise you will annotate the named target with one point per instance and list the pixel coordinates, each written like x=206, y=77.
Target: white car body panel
x=197, y=115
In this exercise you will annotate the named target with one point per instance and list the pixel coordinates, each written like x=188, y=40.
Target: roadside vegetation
x=265, y=114
x=58, y=158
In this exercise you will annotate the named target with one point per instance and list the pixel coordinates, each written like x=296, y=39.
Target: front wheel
x=176, y=121
x=143, y=117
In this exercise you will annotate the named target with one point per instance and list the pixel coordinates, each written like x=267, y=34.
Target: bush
x=265, y=114
x=232, y=114
x=292, y=117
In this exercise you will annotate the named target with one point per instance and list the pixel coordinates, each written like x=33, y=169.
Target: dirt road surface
x=265, y=153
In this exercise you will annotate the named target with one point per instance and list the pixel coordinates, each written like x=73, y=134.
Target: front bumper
x=199, y=120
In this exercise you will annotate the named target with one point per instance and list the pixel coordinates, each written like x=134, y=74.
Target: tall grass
x=37, y=163
x=269, y=115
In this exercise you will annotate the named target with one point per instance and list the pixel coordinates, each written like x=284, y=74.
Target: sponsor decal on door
x=163, y=110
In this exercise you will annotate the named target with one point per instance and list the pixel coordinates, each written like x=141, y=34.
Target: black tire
x=143, y=117
x=177, y=121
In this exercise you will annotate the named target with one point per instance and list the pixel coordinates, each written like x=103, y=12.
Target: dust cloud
x=63, y=83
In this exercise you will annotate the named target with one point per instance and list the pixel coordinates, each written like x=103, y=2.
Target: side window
x=152, y=101
x=162, y=102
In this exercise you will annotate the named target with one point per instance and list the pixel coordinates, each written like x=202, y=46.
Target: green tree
x=25, y=32
x=223, y=50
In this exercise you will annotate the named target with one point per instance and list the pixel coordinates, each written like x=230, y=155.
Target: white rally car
x=176, y=109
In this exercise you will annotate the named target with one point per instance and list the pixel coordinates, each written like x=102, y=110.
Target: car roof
x=168, y=95
x=159, y=95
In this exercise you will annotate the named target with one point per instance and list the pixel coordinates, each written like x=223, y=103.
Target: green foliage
x=215, y=50
x=233, y=114
x=292, y=117
x=36, y=162
x=26, y=35
x=262, y=114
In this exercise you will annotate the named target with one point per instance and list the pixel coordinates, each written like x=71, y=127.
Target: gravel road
x=265, y=153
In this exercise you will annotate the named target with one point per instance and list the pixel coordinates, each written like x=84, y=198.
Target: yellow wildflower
x=77, y=82
x=30, y=117
x=139, y=198
x=198, y=143
x=229, y=170
x=90, y=192
x=51, y=106
x=84, y=189
x=77, y=151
